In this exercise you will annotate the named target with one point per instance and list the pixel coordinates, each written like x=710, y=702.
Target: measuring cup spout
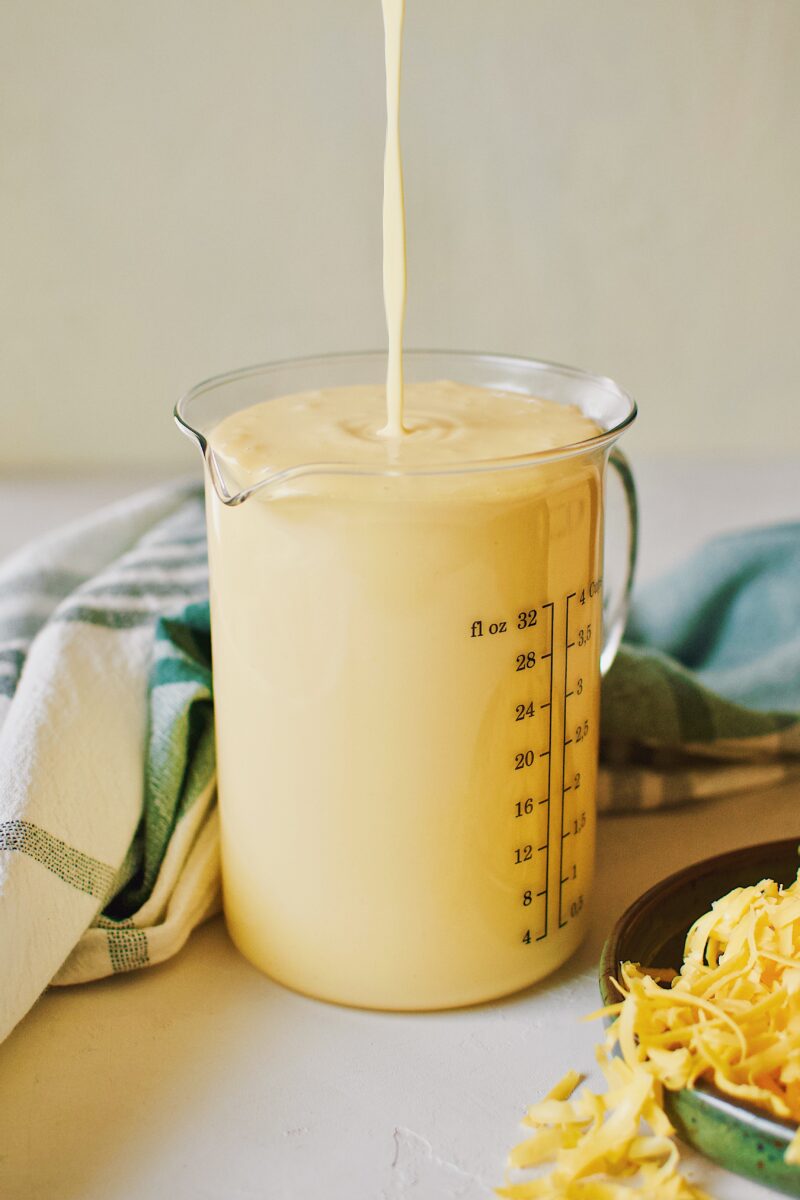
x=197, y=429
x=225, y=484
x=200, y=411
x=224, y=487
x=227, y=487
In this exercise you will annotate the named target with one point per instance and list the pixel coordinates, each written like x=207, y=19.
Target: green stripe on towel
x=79, y=870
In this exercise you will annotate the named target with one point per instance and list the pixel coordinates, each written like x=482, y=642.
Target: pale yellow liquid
x=381, y=844
x=394, y=220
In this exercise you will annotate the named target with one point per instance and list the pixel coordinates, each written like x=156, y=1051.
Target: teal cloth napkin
x=108, y=826
x=704, y=695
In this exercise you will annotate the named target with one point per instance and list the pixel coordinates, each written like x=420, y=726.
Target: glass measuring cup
x=407, y=674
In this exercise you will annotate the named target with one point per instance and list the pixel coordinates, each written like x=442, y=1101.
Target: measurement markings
x=567, y=647
x=546, y=754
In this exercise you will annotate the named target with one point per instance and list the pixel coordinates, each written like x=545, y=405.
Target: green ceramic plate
x=652, y=932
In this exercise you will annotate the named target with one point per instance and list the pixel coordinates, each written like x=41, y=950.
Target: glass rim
x=599, y=441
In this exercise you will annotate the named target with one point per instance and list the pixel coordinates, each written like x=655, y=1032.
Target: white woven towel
x=94, y=699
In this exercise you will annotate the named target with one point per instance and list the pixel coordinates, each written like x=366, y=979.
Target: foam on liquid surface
x=446, y=424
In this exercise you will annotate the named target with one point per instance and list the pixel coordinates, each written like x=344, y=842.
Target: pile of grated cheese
x=731, y=1016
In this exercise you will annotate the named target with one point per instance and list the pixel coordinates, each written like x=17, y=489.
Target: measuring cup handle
x=615, y=607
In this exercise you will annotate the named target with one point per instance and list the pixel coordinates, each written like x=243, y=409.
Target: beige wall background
x=190, y=186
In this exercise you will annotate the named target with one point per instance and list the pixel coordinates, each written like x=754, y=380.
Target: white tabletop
x=202, y=1079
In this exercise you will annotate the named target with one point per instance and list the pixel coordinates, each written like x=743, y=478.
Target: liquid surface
x=447, y=423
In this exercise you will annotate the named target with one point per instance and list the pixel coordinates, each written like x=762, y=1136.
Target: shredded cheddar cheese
x=731, y=1016
x=601, y=1147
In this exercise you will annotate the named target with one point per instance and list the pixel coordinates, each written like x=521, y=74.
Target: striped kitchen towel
x=108, y=835
x=108, y=838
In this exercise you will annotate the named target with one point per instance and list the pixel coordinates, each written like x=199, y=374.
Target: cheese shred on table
x=730, y=1016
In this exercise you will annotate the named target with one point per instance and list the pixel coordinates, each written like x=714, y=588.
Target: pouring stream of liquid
x=394, y=225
